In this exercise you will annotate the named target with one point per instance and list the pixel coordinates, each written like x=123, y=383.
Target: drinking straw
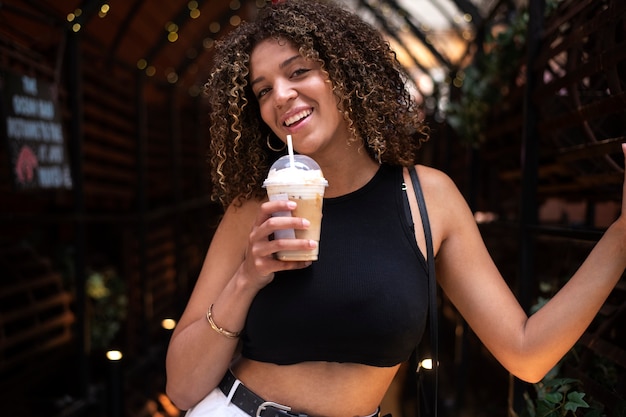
x=292, y=161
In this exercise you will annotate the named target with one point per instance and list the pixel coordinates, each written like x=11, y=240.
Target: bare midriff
x=319, y=389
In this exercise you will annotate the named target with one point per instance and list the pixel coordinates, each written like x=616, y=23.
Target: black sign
x=31, y=122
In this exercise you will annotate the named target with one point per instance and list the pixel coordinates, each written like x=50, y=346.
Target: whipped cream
x=304, y=171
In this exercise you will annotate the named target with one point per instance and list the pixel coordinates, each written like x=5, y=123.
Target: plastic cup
x=304, y=183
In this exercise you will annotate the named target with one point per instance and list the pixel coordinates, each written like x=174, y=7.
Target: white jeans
x=216, y=404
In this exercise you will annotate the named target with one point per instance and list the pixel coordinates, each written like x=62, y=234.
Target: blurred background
x=104, y=184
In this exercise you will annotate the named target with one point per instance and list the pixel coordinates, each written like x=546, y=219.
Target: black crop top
x=364, y=301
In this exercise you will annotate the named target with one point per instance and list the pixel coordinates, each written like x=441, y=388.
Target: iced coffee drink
x=299, y=180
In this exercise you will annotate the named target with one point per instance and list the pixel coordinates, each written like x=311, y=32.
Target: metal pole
x=75, y=103
x=142, y=213
x=177, y=194
x=529, y=165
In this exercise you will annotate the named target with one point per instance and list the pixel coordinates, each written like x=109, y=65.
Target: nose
x=284, y=91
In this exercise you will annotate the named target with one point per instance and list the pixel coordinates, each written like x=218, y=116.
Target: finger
x=268, y=208
x=266, y=265
x=280, y=245
x=267, y=248
x=277, y=206
x=271, y=225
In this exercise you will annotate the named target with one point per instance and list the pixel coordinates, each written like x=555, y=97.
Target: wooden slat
x=36, y=309
x=591, y=150
x=62, y=323
x=577, y=16
x=111, y=138
x=112, y=191
x=25, y=355
x=113, y=121
x=28, y=285
x=600, y=108
x=62, y=299
x=101, y=152
x=104, y=171
x=111, y=100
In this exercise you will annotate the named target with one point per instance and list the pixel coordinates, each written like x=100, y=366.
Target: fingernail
x=291, y=205
x=306, y=223
x=313, y=243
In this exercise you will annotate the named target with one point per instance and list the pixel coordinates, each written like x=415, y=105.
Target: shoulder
x=448, y=210
x=436, y=184
x=241, y=213
x=243, y=207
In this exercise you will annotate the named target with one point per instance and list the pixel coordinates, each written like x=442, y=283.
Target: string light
x=425, y=364
x=172, y=29
x=168, y=324
x=214, y=27
x=235, y=20
x=194, y=12
x=172, y=77
x=208, y=43
x=104, y=10
x=114, y=355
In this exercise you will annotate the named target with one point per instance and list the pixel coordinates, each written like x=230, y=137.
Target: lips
x=291, y=120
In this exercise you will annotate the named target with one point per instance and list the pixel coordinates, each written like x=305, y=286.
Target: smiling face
x=295, y=98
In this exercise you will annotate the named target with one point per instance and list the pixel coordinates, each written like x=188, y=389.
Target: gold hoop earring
x=269, y=145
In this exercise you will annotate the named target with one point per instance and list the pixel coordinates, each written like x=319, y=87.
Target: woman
x=325, y=338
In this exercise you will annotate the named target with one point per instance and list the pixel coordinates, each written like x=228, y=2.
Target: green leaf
x=557, y=383
x=553, y=397
x=575, y=400
x=545, y=409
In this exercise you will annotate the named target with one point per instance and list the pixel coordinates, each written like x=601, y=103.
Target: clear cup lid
x=301, y=162
x=304, y=168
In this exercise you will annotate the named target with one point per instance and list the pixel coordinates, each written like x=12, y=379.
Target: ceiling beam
x=122, y=29
x=414, y=30
x=468, y=7
x=181, y=19
x=392, y=32
x=223, y=20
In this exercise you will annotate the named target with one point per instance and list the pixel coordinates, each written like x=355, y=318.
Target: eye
x=300, y=71
x=262, y=92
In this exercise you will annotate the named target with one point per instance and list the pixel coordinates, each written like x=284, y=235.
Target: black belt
x=252, y=404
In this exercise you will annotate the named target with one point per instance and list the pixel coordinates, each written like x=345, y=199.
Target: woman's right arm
x=238, y=264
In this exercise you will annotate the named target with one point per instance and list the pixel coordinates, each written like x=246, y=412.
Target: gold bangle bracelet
x=220, y=330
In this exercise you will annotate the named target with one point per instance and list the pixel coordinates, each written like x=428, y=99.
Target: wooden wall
x=142, y=204
x=576, y=121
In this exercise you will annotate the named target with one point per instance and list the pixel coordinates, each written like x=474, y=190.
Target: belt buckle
x=263, y=406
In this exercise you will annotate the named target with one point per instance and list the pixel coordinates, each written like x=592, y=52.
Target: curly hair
x=365, y=75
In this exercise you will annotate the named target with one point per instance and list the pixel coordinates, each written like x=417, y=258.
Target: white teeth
x=297, y=116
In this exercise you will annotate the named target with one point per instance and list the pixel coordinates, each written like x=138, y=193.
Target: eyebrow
x=280, y=66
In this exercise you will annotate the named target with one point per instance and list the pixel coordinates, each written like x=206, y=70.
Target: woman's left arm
x=527, y=346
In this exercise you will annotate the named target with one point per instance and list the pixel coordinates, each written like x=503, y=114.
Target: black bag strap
x=432, y=290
